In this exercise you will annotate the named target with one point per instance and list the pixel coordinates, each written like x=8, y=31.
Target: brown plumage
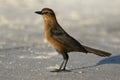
x=61, y=41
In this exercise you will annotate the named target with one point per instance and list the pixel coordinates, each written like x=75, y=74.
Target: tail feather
x=97, y=52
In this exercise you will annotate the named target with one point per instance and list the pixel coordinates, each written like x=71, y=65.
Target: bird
x=62, y=41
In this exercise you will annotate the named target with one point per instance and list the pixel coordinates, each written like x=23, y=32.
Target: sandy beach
x=24, y=54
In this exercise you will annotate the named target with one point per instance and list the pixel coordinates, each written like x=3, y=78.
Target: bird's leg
x=66, y=57
x=60, y=68
x=62, y=65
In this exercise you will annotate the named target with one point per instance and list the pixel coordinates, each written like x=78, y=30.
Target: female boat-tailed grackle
x=62, y=41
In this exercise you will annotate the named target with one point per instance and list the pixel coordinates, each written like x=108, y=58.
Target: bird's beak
x=39, y=12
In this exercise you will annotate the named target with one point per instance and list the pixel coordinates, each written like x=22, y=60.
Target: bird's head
x=48, y=15
x=46, y=12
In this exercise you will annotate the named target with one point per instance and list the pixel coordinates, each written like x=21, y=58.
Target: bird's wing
x=62, y=37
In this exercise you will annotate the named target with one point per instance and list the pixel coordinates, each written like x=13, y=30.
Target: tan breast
x=53, y=42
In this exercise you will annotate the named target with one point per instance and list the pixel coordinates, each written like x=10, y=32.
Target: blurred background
x=87, y=20
x=24, y=55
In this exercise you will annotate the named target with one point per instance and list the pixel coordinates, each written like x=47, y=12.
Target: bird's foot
x=60, y=70
x=56, y=70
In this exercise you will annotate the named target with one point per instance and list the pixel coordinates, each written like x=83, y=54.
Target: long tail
x=97, y=52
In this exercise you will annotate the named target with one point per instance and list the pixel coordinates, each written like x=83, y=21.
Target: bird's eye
x=45, y=12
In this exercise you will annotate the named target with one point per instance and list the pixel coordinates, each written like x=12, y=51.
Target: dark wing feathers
x=70, y=43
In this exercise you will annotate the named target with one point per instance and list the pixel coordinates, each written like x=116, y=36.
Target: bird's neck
x=50, y=21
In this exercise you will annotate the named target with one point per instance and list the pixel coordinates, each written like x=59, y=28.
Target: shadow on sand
x=109, y=60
